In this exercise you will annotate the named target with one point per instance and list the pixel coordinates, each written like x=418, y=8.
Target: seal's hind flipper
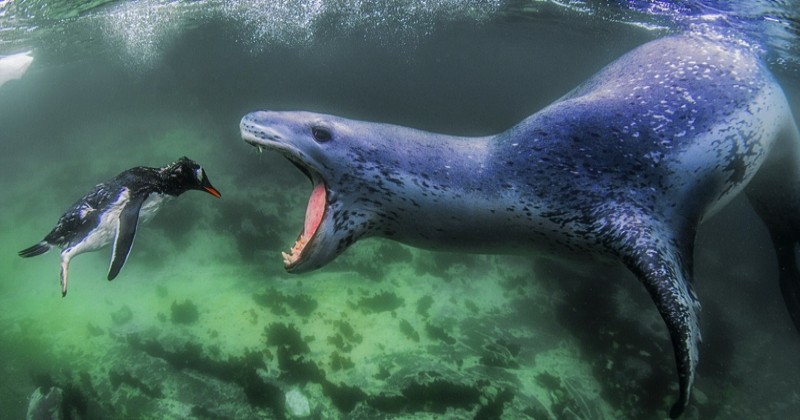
x=128, y=220
x=662, y=261
x=789, y=279
x=774, y=193
x=785, y=235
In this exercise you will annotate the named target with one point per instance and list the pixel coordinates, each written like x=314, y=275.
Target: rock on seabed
x=297, y=404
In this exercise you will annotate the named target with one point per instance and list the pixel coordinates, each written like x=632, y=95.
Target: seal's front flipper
x=661, y=273
x=661, y=260
x=128, y=219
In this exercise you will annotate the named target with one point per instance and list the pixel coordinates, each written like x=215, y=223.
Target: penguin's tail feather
x=35, y=250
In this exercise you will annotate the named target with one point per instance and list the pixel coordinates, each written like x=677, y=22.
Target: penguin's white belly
x=151, y=206
x=106, y=229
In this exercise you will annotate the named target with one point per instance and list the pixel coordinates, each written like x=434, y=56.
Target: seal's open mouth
x=315, y=211
x=317, y=203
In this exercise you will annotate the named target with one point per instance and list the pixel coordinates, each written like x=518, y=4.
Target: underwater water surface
x=203, y=322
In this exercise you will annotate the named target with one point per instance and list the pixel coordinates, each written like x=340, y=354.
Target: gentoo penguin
x=112, y=210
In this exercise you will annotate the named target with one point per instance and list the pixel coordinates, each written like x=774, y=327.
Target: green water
x=203, y=322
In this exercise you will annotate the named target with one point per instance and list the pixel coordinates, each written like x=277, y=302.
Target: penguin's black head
x=186, y=174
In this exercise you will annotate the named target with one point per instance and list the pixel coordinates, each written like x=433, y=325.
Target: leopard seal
x=624, y=167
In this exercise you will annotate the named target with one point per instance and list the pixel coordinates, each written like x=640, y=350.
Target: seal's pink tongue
x=314, y=213
x=315, y=210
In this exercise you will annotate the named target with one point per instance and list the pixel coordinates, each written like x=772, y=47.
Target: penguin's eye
x=321, y=135
x=198, y=173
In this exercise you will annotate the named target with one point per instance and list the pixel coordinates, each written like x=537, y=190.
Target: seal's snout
x=247, y=128
x=250, y=121
x=255, y=117
x=256, y=130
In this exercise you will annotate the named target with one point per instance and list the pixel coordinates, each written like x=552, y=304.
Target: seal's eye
x=321, y=134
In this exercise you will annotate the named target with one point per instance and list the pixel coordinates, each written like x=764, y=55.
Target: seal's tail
x=775, y=195
x=35, y=250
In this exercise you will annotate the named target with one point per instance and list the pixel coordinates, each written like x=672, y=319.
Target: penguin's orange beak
x=213, y=191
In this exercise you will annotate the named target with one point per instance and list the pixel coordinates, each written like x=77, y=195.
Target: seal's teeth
x=287, y=259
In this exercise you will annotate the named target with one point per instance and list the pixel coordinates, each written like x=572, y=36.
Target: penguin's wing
x=128, y=219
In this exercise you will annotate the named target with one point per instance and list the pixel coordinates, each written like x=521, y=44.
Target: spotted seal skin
x=624, y=167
